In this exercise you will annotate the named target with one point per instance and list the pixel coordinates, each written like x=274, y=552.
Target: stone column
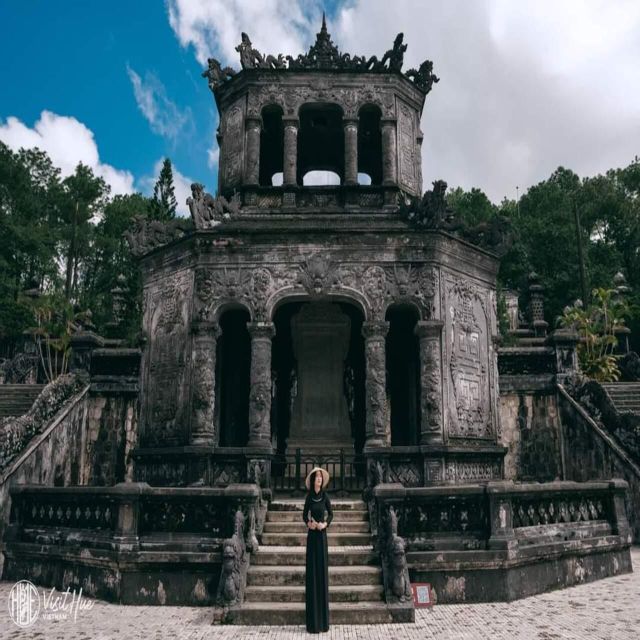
x=536, y=306
x=389, y=169
x=290, y=159
x=253, y=125
x=429, y=334
x=350, y=151
x=377, y=434
x=204, y=377
x=260, y=384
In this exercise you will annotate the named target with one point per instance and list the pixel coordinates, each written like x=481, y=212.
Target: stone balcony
x=321, y=198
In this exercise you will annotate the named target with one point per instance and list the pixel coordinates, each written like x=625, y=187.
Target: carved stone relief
x=166, y=323
x=317, y=274
x=291, y=98
x=407, y=161
x=233, y=136
x=470, y=409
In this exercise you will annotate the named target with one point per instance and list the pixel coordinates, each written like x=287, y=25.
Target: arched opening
x=232, y=379
x=364, y=178
x=314, y=178
x=370, y=144
x=319, y=371
x=320, y=140
x=403, y=375
x=271, y=144
x=277, y=179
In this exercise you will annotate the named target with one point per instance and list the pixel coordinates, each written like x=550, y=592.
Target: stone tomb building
x=350, y=324
x=315, y=316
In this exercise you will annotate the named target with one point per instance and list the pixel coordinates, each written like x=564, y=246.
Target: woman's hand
x=312, y=524
x=321, y=525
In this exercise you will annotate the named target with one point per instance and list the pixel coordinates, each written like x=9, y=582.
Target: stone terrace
x=602, y=610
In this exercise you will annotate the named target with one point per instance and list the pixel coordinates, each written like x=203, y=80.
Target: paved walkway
x=604, y=610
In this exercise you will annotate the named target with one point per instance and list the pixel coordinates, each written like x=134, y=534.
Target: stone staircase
x=17, y=399
x=275, y=592
x=624, y=395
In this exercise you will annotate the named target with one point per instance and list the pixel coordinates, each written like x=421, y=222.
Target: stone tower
x=326, y=111
x=350, y=317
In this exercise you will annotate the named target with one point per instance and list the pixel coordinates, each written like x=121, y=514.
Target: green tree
x=164, y=198
x=597, y=323
x=83, y=196
x=111, y=257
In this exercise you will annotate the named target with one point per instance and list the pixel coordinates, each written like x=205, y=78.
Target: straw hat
x=325, y=477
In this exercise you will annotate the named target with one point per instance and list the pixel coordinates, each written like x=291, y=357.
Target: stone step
x=271, y=575
x=297, y=504
x=355, y=515
x=293, y=613
x=17, y=399
x=296, y=556
x=299, y=527
x=300, y=539
x=339, y=593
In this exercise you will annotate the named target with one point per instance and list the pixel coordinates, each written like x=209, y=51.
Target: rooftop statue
x=207, y=211
x=251, y=58
x=216, y=75
x=323, y=55
x=433, y=212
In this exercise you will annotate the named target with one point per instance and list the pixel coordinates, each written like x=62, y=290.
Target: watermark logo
x=24, y=603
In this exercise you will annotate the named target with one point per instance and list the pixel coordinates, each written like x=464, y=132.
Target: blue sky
x=524, y=86
x=76, y=58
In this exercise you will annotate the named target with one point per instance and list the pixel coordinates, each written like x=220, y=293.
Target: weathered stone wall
x=52, y=458
x=531, y=432
x=111, y=436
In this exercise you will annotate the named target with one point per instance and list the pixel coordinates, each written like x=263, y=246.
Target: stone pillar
x=429, y=334
x=501, y=534
x=260, y=384
x=377, y=433
x=203, y=383
x=389, y=166
x=290, y=159
x=350, y=151
x=252, y=151
x=536, y=306
x=565, y=342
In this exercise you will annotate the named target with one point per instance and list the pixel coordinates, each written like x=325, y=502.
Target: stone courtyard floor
x=605, y=609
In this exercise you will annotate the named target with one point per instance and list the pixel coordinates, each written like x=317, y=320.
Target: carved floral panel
x=468, y=354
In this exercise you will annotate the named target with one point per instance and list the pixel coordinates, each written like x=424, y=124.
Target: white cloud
x=213, y=27
x=213, y=157
x=181, y=184
x=525, y=86
x=67, y=141
x=164, y=116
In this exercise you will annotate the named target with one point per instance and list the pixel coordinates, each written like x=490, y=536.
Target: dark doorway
x=232, y=379
x=284, y=373
x=403, y=375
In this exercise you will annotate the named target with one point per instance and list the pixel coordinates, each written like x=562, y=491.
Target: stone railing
x=590, y=452
x=16, y=432
x=317, y=197
x=502, y=515
x=134, y=518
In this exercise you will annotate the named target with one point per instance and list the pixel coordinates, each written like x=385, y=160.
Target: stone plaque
x=320, y=333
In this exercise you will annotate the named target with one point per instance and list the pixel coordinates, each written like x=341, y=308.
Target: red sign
x=422, y=595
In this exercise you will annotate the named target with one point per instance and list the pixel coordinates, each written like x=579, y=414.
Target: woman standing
x=317, y=565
